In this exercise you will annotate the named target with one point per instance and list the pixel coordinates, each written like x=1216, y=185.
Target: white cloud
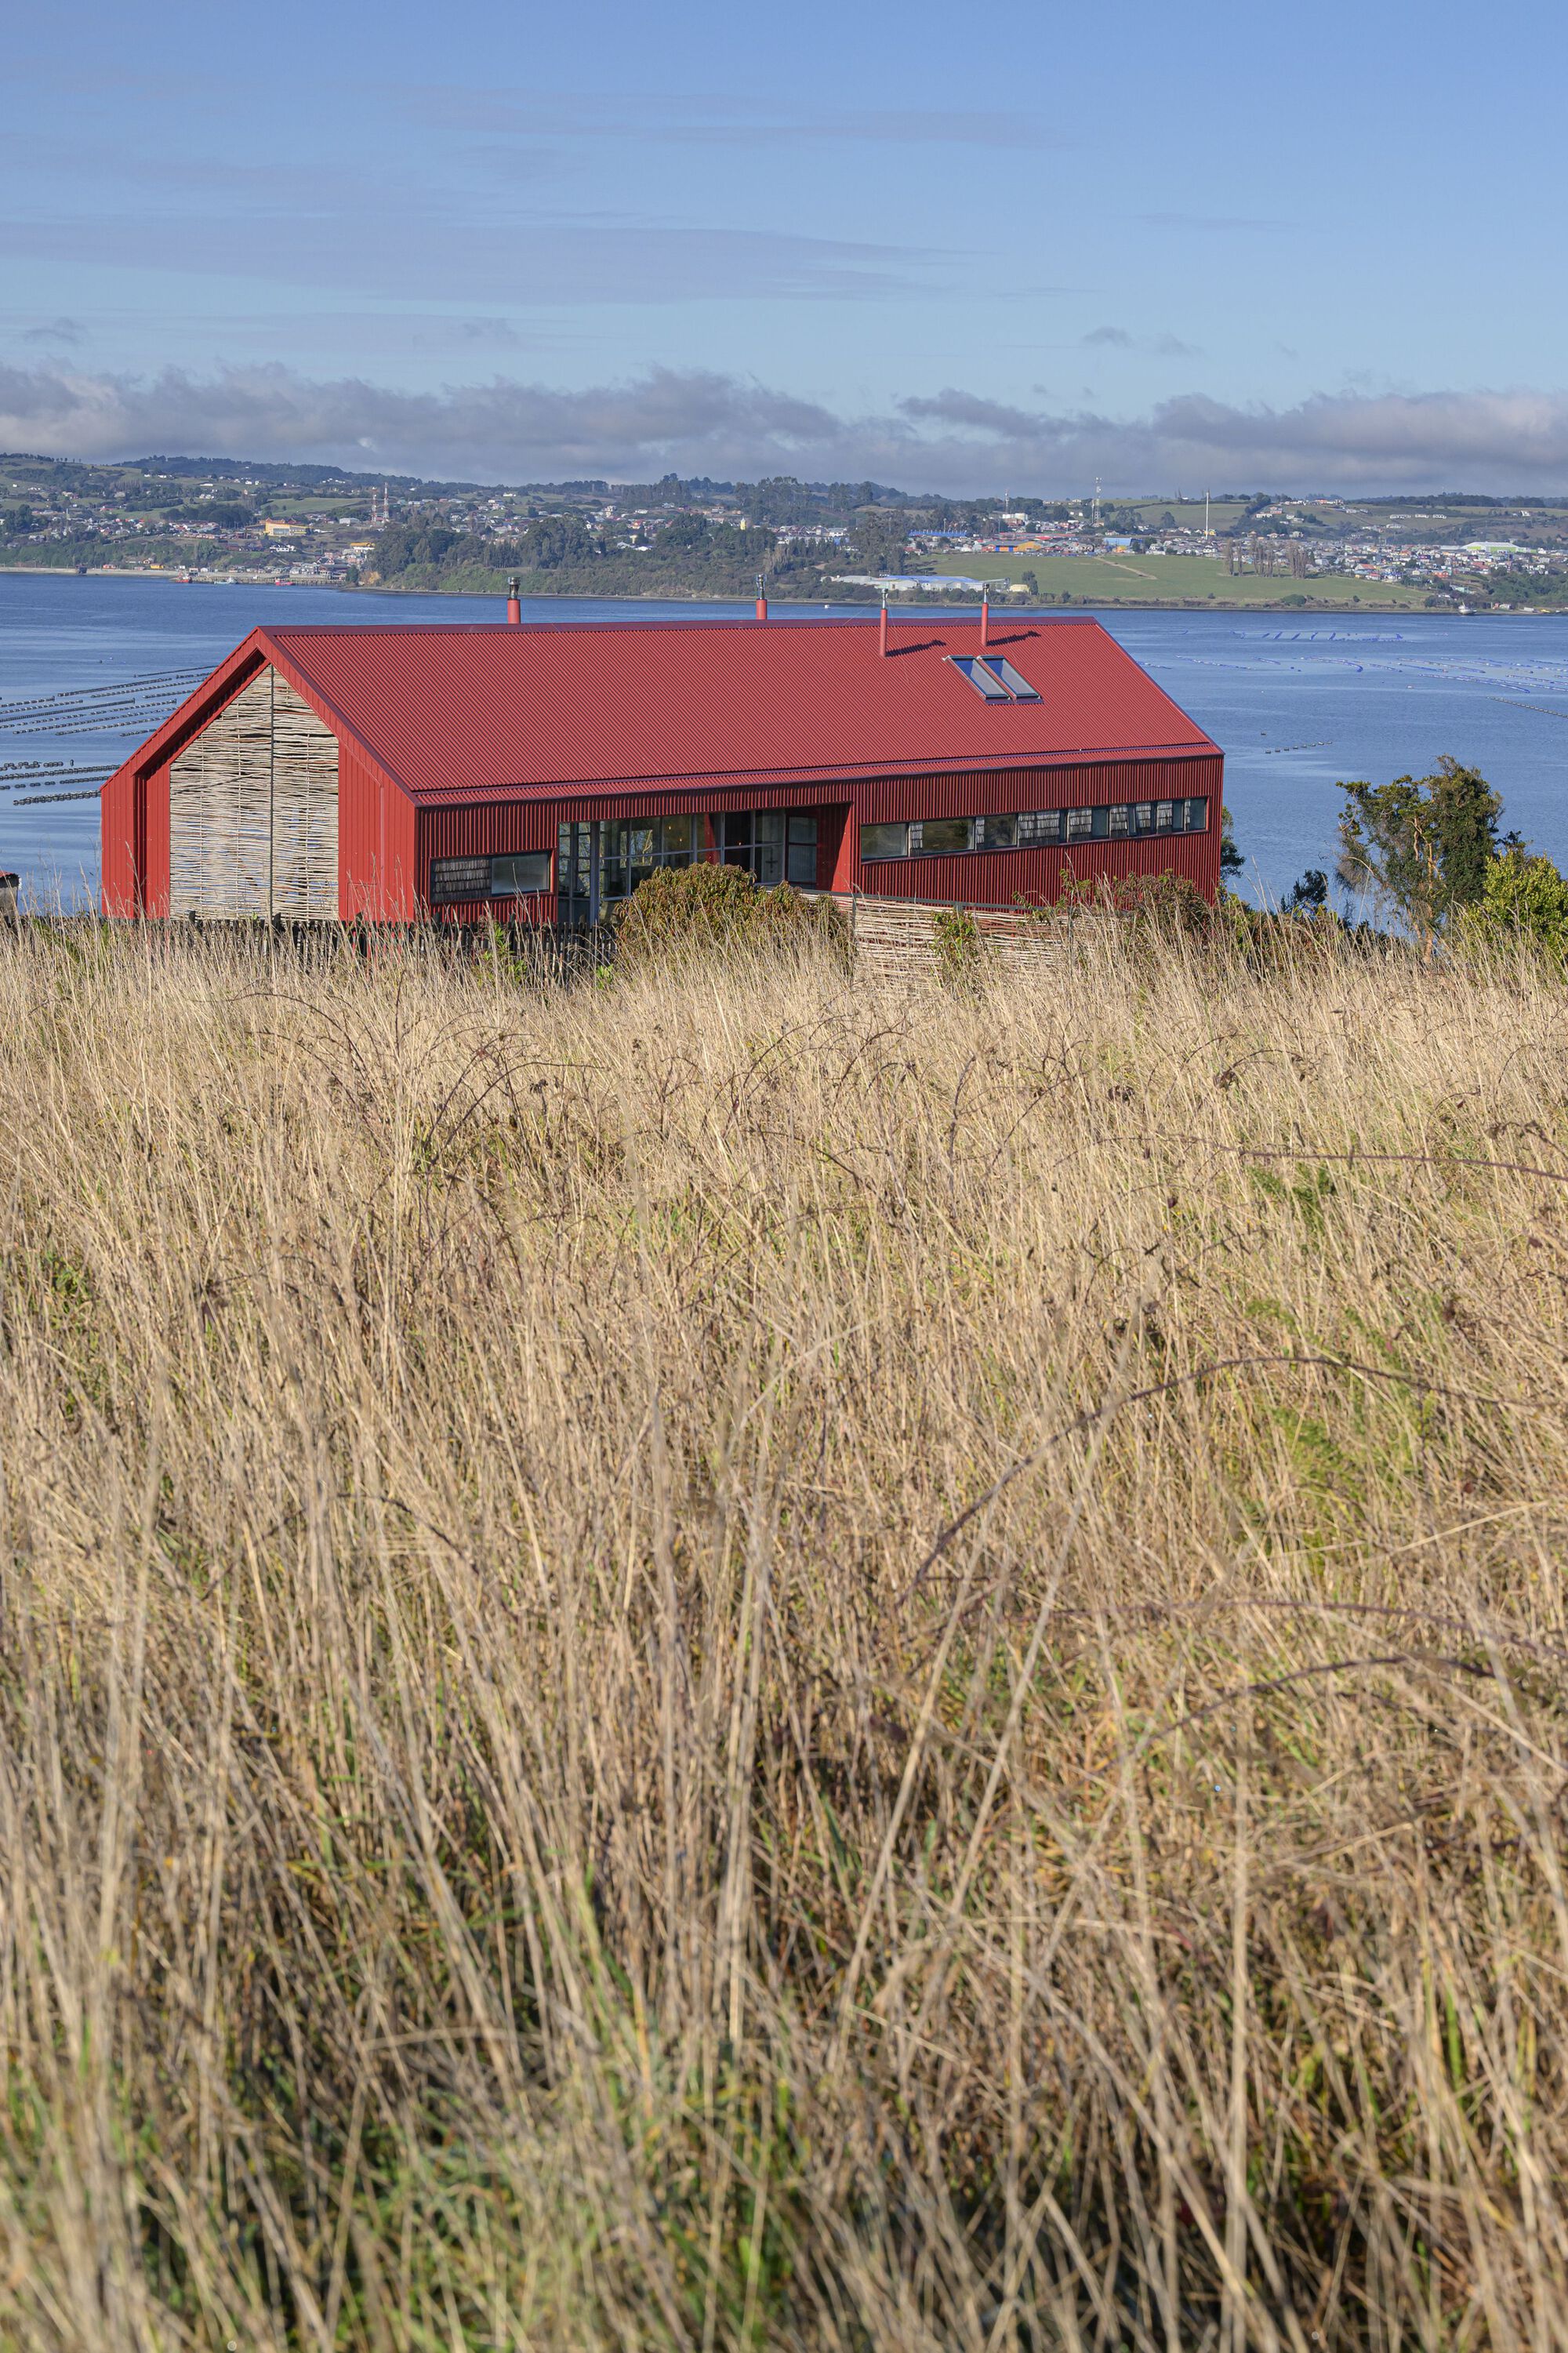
x=695, y=421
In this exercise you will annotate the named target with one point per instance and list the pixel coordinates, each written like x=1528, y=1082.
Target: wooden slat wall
x=304, y=810
x=253, y=812
x=220, y=794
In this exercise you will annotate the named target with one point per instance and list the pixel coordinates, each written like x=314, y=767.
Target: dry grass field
x=729, y=1658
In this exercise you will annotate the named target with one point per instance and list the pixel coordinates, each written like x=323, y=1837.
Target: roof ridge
x=745, y=622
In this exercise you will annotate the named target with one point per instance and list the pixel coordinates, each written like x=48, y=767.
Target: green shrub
x=683, y=910
x=955, y=936
x=1523, y=899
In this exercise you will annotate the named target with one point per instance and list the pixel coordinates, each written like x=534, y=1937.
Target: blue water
x=1295, y=704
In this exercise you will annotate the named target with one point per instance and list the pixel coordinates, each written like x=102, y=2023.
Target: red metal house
x=537, y=773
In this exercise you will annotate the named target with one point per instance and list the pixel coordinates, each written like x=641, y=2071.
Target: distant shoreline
x=1302, y=608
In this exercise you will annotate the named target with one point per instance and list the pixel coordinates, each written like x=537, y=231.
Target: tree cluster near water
x=1427, y=851
x=560, y=555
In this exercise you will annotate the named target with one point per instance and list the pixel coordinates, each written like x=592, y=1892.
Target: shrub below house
x=683, y=910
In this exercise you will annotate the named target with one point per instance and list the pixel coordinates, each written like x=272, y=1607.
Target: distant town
x=215, y=520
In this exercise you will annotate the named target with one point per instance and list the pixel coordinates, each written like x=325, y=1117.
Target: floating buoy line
x=113, y=707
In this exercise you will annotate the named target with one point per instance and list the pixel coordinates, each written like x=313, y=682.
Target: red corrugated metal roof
x=464, y=712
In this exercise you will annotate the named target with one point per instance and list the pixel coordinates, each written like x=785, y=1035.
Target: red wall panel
x=377, y=847
x=119, y=850
x=492, y=829
x=995, y=878
x=156, y=840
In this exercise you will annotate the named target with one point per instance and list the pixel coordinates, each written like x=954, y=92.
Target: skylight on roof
x=1017, y=684
x=982, y=678
x=995, y=677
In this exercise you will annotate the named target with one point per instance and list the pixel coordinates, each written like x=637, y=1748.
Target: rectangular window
x=734, y=831
x=995, y=677
x=615, y=843
x=527, y=870
x=460, y=878
x=768, y=848
x=947, y=837
x=942, y=836
x=775, y=845
x=800, y=861
x=502, y=878
x=672, y=841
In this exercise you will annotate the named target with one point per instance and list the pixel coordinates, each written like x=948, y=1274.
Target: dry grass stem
x=732, y=1658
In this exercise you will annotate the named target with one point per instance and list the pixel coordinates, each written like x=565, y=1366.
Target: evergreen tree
x=1422, y=845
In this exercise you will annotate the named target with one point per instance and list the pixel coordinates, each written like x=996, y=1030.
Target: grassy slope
x=1150, y=579
x=736, y=1660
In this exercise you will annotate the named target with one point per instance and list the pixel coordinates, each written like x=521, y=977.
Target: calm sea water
x=1295, y=704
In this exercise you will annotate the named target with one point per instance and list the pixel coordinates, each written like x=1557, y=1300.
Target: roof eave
x=870, y=772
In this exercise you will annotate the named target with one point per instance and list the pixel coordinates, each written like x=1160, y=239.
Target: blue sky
x=1224, y=242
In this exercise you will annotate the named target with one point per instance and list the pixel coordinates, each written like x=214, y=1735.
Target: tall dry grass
x=732, y=1659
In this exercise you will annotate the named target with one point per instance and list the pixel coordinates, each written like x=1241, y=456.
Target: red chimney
x=984, y=617
x=761, y=600
x=513, y=602
x=882, y=640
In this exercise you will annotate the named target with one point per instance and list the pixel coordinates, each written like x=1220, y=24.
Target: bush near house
x=708, y=907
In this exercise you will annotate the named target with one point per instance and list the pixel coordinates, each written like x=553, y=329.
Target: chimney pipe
x=513, y=601
x=984, y=617
x=761, y=600
x=882, y=638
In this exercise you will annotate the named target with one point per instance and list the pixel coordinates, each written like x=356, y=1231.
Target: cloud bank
x=696, y=422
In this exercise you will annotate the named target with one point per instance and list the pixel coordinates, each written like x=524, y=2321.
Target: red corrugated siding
x=491, y=829
x=155, y=839
x=670, y=800
x=994, y=879
x=120, y=851
x=981, y=791
x=378, y=860
x=1000, y=880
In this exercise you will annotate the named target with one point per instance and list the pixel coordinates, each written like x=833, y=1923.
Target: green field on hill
x=1181, y=579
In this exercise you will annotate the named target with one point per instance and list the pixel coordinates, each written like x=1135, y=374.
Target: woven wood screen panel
x=304, y=810
x=253, y=812
x=220, y=811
